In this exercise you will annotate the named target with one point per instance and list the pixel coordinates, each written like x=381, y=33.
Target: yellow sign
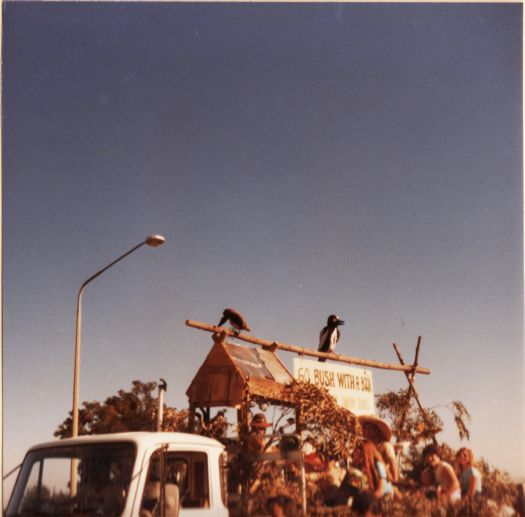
x=352, y=387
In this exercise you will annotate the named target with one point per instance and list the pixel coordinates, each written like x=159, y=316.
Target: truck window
x=104, y=474
x=47, y=485
x=186, y=479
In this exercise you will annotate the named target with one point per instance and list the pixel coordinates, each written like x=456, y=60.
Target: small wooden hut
x=233, y=374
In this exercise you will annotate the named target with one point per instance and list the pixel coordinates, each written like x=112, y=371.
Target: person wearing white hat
x=380, y=433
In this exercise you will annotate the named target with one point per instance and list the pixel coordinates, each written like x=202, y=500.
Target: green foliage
x=417, y=505
x=497, y=484
x=408, y=424
x=33, y=498
x=460, y=415
x=134, y=410
x=407, y=421
x=333, y=427
x=334, y=430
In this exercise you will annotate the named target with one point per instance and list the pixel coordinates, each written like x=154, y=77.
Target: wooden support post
x=219, y=337
x=412, y=388
x=220, y=334
x=299, y=426
x=191, y=423
x=412, y=375
x=206, y=415
x=416, y=356
x=240, y=420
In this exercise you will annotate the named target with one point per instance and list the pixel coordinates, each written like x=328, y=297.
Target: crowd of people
x=439, y=479
x=451, y=484
x=375, y=458
x=373, y=472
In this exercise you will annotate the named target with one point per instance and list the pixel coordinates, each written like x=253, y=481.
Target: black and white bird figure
x=236, y=320
x=329, y=335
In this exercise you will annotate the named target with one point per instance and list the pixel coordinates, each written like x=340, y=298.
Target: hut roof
x=230, y=370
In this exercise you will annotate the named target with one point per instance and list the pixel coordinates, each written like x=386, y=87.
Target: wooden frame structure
x=229, y=371
x=412, y=392
x=223, y=381
x=274, y=345
x=234, y=375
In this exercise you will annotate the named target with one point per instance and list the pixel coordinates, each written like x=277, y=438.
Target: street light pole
x=151, y=240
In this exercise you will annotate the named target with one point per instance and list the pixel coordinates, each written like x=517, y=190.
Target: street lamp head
x=155, y=240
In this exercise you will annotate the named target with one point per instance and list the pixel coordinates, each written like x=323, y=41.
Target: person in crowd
x=313, y=462
x=354, y=483
x=448, y=489
x=256, y=440
x=281, y=506
x=364, y=505
x=368, y=459
x=470, y=476
x=101, y=486
x=380, y=433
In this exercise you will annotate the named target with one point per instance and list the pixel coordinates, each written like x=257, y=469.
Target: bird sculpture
x=236, y=320
x=329, y=335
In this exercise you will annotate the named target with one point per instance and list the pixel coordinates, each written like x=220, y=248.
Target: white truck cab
x=135, y=474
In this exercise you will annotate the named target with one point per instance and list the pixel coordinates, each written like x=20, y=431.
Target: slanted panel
x=216, y=380
x=248, y=362
x=277, y=370
x=217, y=356
x=230, y=369
x=214, y=388
x=270, y=390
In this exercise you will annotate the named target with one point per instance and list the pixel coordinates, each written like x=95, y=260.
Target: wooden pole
x=274, y=345
x=414, y=391
x=416, y=357
x=412, y=375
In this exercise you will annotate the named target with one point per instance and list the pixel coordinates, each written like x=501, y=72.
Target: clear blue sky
x=301, y=160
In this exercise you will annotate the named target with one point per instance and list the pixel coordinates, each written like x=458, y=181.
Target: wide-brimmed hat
x=259, y=421
x=381, y=425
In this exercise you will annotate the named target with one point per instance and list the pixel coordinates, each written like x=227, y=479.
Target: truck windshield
x=103, y=476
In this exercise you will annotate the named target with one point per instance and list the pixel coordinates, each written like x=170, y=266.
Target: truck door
x=181, y=480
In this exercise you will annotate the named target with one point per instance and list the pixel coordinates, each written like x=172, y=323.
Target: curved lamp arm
x=151, y=240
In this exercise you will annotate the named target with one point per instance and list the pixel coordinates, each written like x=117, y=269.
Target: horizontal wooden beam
x=306, y=351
